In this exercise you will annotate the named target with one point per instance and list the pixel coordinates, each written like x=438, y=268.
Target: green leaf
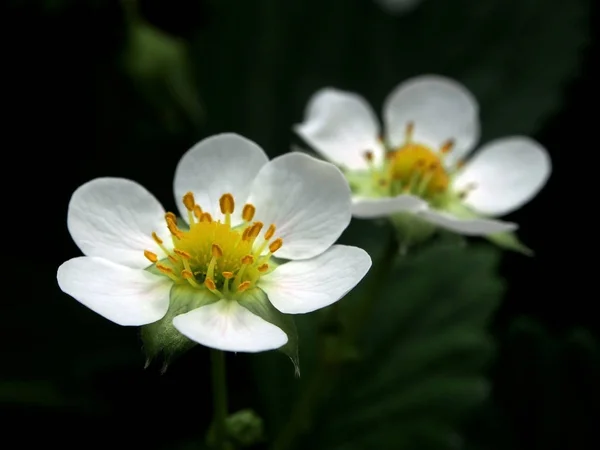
x=161, y=338
x=422, y=354
x=257, y=303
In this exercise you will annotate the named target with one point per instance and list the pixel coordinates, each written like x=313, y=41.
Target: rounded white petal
x=114, y=218
x=506, y=173
x=121, y=294
x=308, y=200
x=225, y=325
x=372, y=207
x=440, y=109
x=468, y=227
x=299, y=287
x=224, y=163
x=342, y=127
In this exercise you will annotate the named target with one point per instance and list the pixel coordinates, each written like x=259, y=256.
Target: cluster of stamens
x=214, y=255
x=414, y=168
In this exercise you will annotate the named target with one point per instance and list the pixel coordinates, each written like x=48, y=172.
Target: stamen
x=248, y=212
x=189, y=202
x=368, y=156
x=182, y=253
x=173, y=259
x=227, y=275
x=447, y=146
x=189, y=276
x=197, y=212
x=270, y=232
x=409, y=131
x=175, y=231
x=227, y=205
x=275, y=245
x=254, y=231
x=170, y=217
x=263, y=267
x=206, y=217
x=243, y=286
x=151, y=256
x=248, y=259
x=167, y=271
x=217, y=251
x=158, y=240
x=210, y=284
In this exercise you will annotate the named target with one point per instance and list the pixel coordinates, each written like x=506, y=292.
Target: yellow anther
x=172, y=259
x=255, y=230
x=210, y=284
x=175, y=231
x=270, y=232
x=227, y=275
x=156, y=238
x=170, y=217
x=188, y=201
x=197, y=212
x=227, y=203
x=248, y=212
x=151, y=256
x=187, y=274
x=368, y=155
x=217, y=251
x=206, y=217
x=263, y=267
x=243, y=286
x=248, y=259
x=183, y=254
x=164, y=269
x=447, y=146
x=275, y=245
x=245, y=233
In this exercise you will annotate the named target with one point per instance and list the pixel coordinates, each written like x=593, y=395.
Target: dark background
x=82, y=101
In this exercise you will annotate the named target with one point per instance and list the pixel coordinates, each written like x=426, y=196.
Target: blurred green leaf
x=422, y=358
x=160, y=68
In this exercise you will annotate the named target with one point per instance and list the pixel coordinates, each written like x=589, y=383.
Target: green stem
x=219, y=397
x=326, y=371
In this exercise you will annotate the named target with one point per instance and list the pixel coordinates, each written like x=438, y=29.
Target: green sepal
x=510, y=241
x=161, y=338
x=257, y=302
x=507, y=240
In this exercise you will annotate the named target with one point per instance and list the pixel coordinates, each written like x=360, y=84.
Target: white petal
x=341, y=126
x=308, y=200
x=299, y=287
x=224, y=163
x=225, y=325
x=121, y=294
x=468, y=227
x=371, y=207
x=114, y=218
x=507, y=173
x=439, y=108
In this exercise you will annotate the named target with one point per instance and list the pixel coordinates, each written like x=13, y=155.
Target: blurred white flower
x=431, y=124
x=240, y=209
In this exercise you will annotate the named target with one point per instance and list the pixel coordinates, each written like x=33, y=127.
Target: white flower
x=241, y=209
x=431, y=125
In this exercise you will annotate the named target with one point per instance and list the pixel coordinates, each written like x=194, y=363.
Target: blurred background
x=474, y=349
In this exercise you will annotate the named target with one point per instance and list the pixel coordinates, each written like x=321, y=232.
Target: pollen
x=215, y=254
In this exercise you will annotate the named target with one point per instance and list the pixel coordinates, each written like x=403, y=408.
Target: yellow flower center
x=214, y=255
x=414, y=168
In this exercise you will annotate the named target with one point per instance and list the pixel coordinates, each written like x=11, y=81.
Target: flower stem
x=219, y=397
x=326, y=371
